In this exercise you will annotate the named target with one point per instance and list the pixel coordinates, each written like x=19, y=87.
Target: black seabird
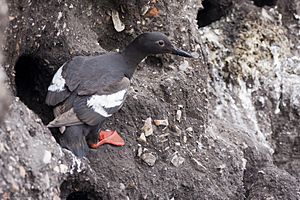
x=88, y=89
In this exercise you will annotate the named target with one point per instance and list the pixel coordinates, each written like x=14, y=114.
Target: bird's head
x=157, y=43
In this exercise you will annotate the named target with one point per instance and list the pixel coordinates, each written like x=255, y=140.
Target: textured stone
x=4, y=95
x=149, y=158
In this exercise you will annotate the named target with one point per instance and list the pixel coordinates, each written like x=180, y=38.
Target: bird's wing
x=93, y=88
x=106, y=99
x=74, y=72
x=59, y=89
x=90, y=75
x=92, y=109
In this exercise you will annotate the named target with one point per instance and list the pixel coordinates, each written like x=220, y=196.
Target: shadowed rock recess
x=230, y=126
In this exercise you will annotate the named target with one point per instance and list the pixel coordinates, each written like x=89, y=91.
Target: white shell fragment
x=139, y=151
x=149, y=158
x=189, y=129
x=184, y=66
x=145, y=9
x=118, y=24
x=147, y=128
x=178, y=115
x=177, y=160
x=184, y=139
x=142, y=138
x=161, y=122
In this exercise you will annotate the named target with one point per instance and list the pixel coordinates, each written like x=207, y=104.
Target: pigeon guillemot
x=88, y=89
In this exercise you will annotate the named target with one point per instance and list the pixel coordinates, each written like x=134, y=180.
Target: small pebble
x=145, y=9
x=176, y=130
x=122, y=186
x=184, y=66
x=22, y=171
x=149, y=158
x=195, y=55
x=139, y=151
x=2, y=147
x=147, y=128
x=177, y=160
x=163, y=122
x=118, y=24
x=14, y=187
x=184, y=139
x=142, y=138
x=47, y=157
x=190, y=129
x=178, y=115
x=63, y=168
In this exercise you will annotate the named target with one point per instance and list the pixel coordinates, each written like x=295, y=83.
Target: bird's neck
x=133, y=57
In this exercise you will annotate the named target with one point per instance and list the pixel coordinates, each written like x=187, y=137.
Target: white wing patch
x=99, y=102
x=58, y=82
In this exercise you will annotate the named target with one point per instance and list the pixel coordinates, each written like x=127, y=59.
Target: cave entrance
x=32, y=78
x=212, y=11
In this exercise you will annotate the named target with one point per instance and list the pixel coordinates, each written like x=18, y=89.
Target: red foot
x=109, y=137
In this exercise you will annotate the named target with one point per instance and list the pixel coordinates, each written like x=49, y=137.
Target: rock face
x=4, y=96
x=254, y=81
x=230, y=116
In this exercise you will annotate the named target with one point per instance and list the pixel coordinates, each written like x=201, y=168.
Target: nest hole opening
x=262, y=3
x=32, y=78
x=81, y=195
x=74, y=189
x=212, y=11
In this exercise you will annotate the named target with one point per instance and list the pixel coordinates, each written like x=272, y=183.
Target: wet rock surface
x=230, y=117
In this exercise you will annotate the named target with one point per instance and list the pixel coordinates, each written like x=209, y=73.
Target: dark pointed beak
x=180, y=52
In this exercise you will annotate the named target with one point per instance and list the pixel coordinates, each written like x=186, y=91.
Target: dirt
x=228, y=143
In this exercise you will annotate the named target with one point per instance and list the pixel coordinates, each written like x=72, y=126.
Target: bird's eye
x=161, y=43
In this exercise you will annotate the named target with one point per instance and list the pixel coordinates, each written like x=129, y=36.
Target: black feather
x=85, y=113
x=54, y=98
x=74, y=139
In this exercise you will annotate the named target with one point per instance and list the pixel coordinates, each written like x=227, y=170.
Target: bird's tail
x=74, y=139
